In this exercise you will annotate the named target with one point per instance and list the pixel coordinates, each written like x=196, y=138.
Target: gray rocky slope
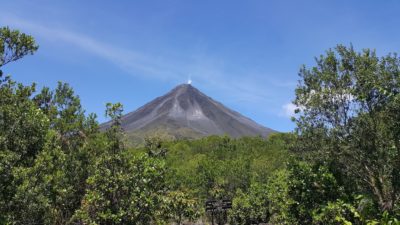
x=187, y=109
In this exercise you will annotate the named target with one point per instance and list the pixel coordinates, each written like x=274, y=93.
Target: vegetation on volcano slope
x=341, y=166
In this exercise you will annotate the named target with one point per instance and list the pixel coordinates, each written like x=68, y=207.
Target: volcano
x=187, y=112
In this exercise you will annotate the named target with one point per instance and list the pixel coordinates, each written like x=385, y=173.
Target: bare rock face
x=186, y=110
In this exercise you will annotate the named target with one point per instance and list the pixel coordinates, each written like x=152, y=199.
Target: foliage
x=218, y=166
x=179, y=205
x=153, y=146
x=251, y=207
x=341, y=167
x=23, y=130
x=295, y=192
x=386, y=220
x=123, y=191
x=336, y=213
x=43, y=188
x=15, y=45
x=348, y=120
x=31, y=178
x=279, y=198
x=310, y=187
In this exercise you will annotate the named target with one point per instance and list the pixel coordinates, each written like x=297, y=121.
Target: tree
x=15, y=45
x=49, y=181
x=123, y=189
x=43, y=194
x=280, y=201
x=23, y=127
x=154, y=148
x=336, y=213
x=251, y=207
x=43, y=144
x=348, y=119
x=23, y=130
x=295, y=192
x=16, y=109
x=310, y=187
x=131, y=194
x=180, y=206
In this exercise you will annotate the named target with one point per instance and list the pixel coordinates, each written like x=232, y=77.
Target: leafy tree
x=32, y=182
x=132, y=194
x=23, y=127
x=48, y=186
x=66, y=115
x=310, y=187
x=294, y=193
x=336, y=213
x=279, y=198
x=15, y=45
x=180, y=206
x=348, y=120
x=43, y=193
x=16, y=109
x=154, y=148
x=272, y=155
x=124, y=189
x=60, y=189
x=251, y=207
x=208, y=179
x=182, y=164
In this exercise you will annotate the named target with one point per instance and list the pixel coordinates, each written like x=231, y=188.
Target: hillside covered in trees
x=340, y=166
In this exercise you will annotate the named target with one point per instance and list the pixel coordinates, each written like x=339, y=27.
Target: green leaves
x=128, y=192
x=122, y=188
x=251, y=207
x=15, y=45
x=348, y=121
x=336, y=213
x=180, y=206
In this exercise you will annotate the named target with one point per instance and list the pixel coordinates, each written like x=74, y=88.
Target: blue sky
x=245, y=54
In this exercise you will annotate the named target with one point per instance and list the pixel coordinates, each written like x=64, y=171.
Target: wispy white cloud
x=128, y=60
x=288, y=110
x=203, y=69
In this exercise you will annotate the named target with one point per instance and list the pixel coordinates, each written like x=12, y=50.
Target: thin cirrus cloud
x=128, y=60
x=202, y=68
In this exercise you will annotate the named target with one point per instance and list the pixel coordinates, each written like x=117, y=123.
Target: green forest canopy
x=340, y=166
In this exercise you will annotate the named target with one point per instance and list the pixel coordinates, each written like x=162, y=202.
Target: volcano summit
x=187, y=112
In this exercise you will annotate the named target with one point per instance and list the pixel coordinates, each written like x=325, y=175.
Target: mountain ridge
x=187, y=108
